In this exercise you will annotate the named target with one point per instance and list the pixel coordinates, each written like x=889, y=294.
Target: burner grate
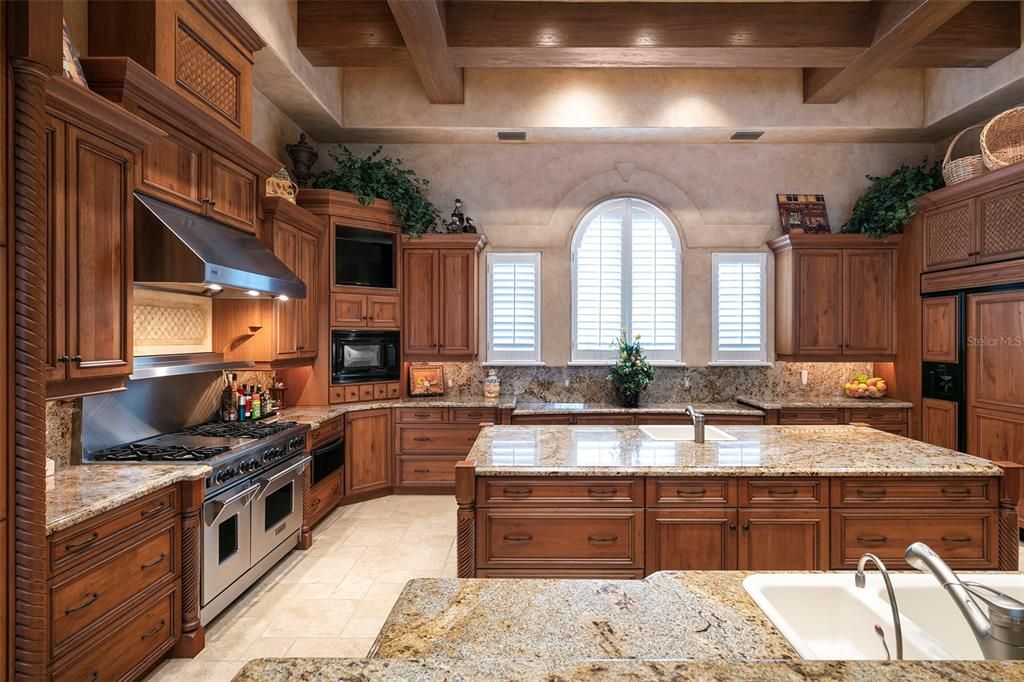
x=136, y=452
x=238, y=429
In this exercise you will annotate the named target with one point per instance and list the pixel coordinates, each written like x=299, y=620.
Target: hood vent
x=512, y=136
x=747, y=135
x=177, y=250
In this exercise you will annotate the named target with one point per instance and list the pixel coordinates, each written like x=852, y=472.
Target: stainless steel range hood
x=177, y=250
x=156, y=366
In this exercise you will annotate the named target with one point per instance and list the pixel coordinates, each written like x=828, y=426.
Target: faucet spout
x=698, y=424
x=860, y=580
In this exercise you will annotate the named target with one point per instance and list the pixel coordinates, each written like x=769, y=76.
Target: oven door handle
x=217, y=507
x=300, y=465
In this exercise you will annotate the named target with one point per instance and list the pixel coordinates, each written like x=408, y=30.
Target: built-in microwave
x=358, y=355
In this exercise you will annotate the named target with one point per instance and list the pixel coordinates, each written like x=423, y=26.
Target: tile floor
x=332, y=599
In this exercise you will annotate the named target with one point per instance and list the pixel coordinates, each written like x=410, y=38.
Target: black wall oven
x=358, y=356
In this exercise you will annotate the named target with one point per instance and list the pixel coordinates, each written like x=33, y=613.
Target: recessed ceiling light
x=512, y=135
x=747, y=135
x=253, y=292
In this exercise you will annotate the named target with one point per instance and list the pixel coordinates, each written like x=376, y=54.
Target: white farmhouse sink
x=683, y=432
x=824, y=616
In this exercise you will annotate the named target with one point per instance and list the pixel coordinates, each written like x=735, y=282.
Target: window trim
x=739, y=358
x=597, y=357
x=514, y=357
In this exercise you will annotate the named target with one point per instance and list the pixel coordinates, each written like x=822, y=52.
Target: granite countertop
x=731, y=408
x=315, y=415
x=638, y=670
x=756, y=451
x=80, y=492
x=798, y=401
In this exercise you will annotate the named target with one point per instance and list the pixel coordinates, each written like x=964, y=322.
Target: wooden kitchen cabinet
x=440, y=296
x=939, y=329
x=202, y=50
x=939, y=422
x=835, y=297
x=367, y=451
x=201, y=165
x=273, y=333
x=355, y=311
x=92, y=150
x=695, y=539
x=783, y=540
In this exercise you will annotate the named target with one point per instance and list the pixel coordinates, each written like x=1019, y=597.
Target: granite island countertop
x=80, y=492
x=842, y=450
x=719, y=408
x=822, y=402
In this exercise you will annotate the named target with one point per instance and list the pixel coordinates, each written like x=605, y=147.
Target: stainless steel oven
x=247, y=528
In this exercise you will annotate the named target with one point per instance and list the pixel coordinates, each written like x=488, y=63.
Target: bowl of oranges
x=863, y=386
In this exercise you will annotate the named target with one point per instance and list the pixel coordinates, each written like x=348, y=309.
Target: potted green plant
x=382, y=177
x=890, y=202
x=632, y=373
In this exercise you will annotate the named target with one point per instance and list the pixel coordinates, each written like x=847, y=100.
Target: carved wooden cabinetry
x=835, y=297
x=368, y=451
x=92, y=151
x=203, y=50
x=429, y=441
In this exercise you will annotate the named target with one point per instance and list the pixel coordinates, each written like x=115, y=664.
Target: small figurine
x=303, y=156
x=459, y=222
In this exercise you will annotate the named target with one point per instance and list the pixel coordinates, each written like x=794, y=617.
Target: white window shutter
x=598, y=263
x=655, y=283
x=739, y=305
x=513, y=310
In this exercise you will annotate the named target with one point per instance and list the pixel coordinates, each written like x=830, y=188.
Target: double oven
x=248, y=527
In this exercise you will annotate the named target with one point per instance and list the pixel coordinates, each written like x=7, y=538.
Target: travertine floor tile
x=330, y=647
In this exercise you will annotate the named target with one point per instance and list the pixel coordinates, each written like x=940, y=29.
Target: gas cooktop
x=142, y=452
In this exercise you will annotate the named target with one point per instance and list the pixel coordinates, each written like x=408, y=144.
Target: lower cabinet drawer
x=85, y=598
x=690, y=492
x=446, y=439
x=913, y=492
x=582, y=538
x=129, y=647
x=963, y=538
x=550, y=491
x=877, y=416
x=794, y=416
x=474, y=415
x=784, y=492
x=427, y=470
x=324, y=496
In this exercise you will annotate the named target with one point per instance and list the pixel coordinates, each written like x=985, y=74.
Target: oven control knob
x=272, y=454
x=297, y=442
x=254, y=464
x=243, y=467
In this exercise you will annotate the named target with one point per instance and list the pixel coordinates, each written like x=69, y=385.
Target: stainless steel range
x=252, y=509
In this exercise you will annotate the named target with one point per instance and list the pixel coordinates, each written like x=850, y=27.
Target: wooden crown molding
x=466, y=240
x=222, y=13
x=987, y=182
x=832, y=241
x=341, y=206
x=73, y=102
x=279, y=208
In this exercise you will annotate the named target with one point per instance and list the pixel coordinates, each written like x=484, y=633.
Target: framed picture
x=426, y=380
x=72, y=67
x=803, y=213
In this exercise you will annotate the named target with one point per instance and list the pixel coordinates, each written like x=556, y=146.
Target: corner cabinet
x=367, y=451
x=835, y=297
x=92, y=151
x=440, y=296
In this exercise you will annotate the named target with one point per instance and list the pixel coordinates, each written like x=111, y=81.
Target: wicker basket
x=1002, y=139
x=964, y=167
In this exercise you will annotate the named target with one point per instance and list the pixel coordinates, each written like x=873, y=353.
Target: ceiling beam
x=422, y=23
x=899, y=27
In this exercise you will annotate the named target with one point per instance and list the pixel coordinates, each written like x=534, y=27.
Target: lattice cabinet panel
x=948, y=236
x=1001, y=229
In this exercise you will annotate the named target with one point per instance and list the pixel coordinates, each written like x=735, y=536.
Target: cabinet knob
x=211, y=202
x=77, y=358
x=746, y=525
x=64, y=358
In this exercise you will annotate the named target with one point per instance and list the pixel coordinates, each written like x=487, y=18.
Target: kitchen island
x=613, y=502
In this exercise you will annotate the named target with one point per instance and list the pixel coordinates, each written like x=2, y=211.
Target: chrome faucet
x=860, y=580
x=1001, y=634
x=698, y=424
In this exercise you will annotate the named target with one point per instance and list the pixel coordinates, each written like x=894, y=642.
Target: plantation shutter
x=513, y=281
x=654, y=282
x=599, y=280
x=738, y=308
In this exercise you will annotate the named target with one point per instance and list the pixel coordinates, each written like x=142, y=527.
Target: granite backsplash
x=670, y=385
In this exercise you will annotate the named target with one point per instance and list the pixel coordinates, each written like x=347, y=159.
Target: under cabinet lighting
x=214, y=287
x=282, y=297
x=253, y=293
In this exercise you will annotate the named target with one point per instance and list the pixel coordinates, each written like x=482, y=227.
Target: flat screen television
x=363, y=258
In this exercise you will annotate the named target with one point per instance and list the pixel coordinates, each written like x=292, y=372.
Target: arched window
x=626, y=263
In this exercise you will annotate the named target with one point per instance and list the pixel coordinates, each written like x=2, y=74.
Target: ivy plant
x=890, y=202
x=376, y=176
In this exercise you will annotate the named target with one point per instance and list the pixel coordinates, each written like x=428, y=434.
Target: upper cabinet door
x=309, y=272
x=420, y=301
x=869, y=283
x=456, y=288
x=233, y=193
x=99, y=243
x=57, y=356
x=819, y=293
x=949, y=236
x=287, y=314
x=1000, y=225
x=939, y=329
x=383, y=312
x=172, y=167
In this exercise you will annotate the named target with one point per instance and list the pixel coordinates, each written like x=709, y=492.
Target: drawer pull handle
x=422, y=415
x=697, y=491
x=474, y=414
x=602, y=491
x=871, y=539
x=154, y=562
x=746, y=525
x=95, y=676
x=782, y=491
x=155, y=510
x=92, y=597
x=315, y=504
x=75, y=546
x=155, y=630
x=956, y=538
x=871, y=492
x=956, y=492
x=422, y=439
x=517, y=491
x=602, y=538
x=421, y=471
x=517, y=538
x=335, y=490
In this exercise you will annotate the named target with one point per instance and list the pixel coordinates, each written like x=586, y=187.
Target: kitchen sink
x=683, y=432
x=824, y=616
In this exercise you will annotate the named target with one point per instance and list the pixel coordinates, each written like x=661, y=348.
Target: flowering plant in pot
x=632, y=373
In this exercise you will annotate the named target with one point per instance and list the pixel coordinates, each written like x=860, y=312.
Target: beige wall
x=530, y=197
x=272, y=129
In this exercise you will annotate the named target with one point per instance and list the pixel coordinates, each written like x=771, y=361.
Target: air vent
x=747, y=135
x=512, y=135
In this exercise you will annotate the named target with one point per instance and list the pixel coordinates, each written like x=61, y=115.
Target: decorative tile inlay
x=166, y=322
